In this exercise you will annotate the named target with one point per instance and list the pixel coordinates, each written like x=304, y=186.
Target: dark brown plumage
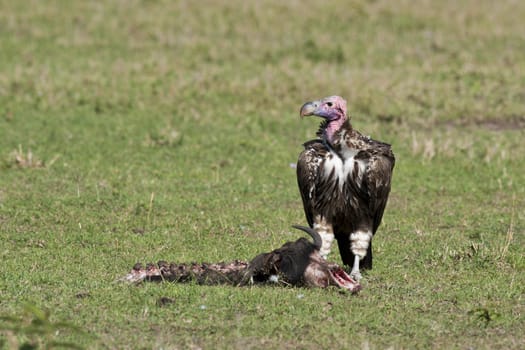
x=344, y=179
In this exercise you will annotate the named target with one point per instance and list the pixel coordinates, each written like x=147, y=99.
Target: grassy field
x=145, y=130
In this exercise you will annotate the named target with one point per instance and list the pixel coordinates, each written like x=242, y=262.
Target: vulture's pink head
x=332, y=109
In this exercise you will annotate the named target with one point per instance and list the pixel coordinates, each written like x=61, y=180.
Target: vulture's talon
x=356, y=275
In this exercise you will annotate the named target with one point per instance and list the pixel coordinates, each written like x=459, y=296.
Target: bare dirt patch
x=511, y=122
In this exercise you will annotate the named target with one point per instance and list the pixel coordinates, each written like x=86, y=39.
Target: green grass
x=145, y=130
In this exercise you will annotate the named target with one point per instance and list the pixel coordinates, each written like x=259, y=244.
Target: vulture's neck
x=330, y=131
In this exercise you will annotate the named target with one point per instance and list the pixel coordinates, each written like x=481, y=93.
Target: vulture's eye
x=329, y=104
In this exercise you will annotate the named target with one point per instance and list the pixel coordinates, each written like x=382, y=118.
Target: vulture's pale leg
x=326, y=232
x=355, y=273
x=359, y=242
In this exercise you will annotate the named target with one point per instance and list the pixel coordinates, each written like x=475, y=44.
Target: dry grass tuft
x=510, y=231
x=169, y=137
x=24, y=160
x=475, y=145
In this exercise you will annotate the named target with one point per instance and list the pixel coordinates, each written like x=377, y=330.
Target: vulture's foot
x=356, y=275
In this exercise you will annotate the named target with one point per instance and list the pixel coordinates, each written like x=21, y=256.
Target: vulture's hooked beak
x=309, y=108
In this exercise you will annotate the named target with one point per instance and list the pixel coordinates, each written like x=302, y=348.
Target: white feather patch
x=273, y=278
x=359, y=242
x=327, y=236
x=342, y=168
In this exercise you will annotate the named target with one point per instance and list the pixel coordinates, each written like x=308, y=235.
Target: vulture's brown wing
x=308, y=165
